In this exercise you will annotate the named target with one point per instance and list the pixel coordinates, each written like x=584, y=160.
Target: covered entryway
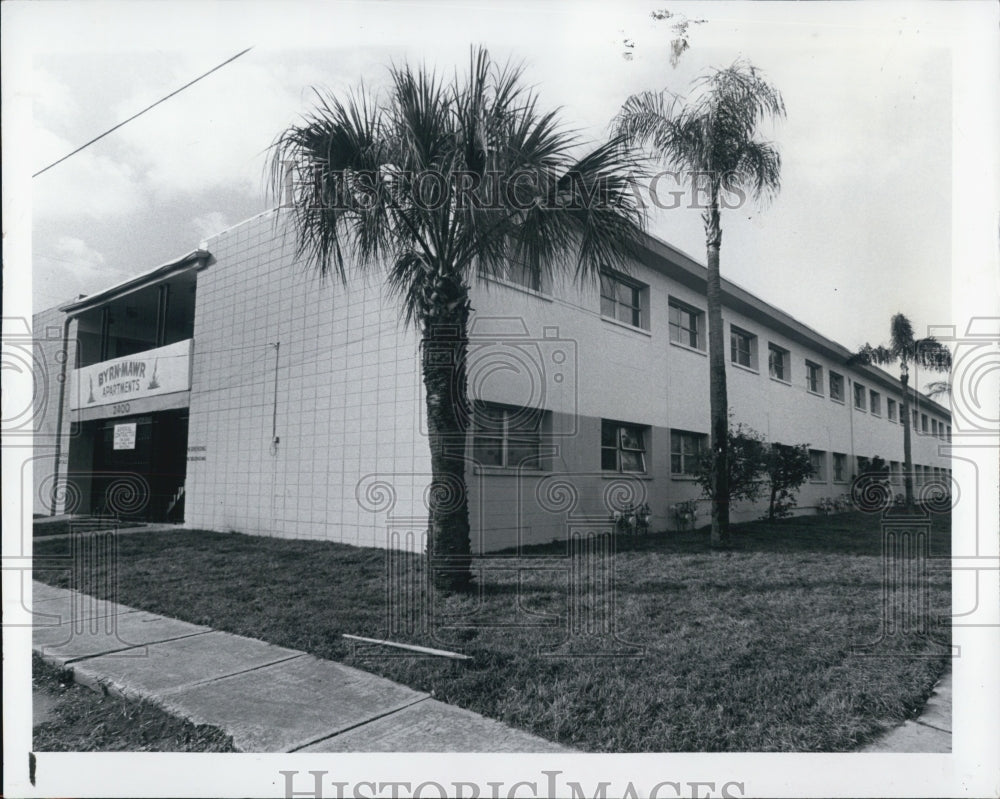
x=139, y=466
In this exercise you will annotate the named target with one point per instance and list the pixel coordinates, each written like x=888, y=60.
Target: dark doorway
x=139, y=467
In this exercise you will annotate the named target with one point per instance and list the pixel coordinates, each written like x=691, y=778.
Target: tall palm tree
x=905, y=349
x=431, y=183
x=712, y=137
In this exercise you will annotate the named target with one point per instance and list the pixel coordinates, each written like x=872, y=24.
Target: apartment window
x=863, y=463
x=818, y=460
x=839, y=467
x=743, y=347
x=934, y=430
x=506, y=436
x=836, y=387
x=687, y=325
x=685, y=451
x=948, y=433
x=890, y=410
x=814, y=377
x=623, y=447
x=923, y=423
x=916, y=419
x=778, y=363
x=894, y=472
x=859, y=396
x=875, y=403
x=622, y=300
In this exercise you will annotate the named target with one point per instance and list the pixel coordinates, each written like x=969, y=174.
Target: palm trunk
x=718, y=401
x=445, y=344
x=907, y=455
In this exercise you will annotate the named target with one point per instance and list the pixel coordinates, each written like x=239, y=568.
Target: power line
x=144, y=110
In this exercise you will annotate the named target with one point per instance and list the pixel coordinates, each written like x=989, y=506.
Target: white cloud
x=71, y=267
x=211, y=223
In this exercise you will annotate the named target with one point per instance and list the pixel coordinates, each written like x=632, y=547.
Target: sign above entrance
x=125, y=436
x=164, y=370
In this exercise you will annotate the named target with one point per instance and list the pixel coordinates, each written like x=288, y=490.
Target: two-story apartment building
x=234, y=389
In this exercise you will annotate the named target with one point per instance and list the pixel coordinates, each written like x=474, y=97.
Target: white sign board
x=125, y=436
x=163, y=370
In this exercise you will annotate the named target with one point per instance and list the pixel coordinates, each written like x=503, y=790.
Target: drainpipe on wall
x=60, y=411
x=850, y=410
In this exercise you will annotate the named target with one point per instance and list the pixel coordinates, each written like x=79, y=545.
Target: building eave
x=196, y=259
x=685, y=269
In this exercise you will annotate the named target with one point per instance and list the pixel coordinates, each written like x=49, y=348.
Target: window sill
x=688, y=348
x=838, y=401
x=626, y=326
x=815, y=393
x=780, y=380
x=860, y=410
x=508, y=471
x=687, y=478
x=518, y=287
x=634, y=475
x=749, y=369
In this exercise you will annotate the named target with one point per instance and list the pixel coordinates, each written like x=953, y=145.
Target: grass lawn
x=749, y=649
x=80, y=720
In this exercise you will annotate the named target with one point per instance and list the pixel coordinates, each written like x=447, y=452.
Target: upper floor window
x=507, y=436
x=623, y=447
x=890, y=409
x=686, y=325
x=836, y=387
x=814, y=377
x=934, y=429
x=778, y=363
x=923, y=423
x=685, y=451
x=875, y=403
x=623, y=300
x=859, y=396
x=742, y=347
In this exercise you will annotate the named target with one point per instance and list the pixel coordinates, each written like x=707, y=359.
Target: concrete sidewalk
x=931, y=732
x=270, y=699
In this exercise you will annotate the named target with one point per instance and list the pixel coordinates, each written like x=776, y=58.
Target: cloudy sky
x=862, y=227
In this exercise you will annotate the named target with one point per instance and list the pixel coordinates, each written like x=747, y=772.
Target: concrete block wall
x=341, y=393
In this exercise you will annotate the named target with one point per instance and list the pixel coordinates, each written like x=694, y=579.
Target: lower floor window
x=506, y=436
x=839, y=467
x=685, y=451
x=817, y=458
x=623, y=447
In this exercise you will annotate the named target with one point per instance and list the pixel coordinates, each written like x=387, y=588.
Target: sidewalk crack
x=381, y=716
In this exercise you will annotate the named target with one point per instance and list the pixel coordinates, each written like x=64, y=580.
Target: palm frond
x=938, y=388
x=360, y=163
x=869, y=355
x=901, y=335
x=932, y=354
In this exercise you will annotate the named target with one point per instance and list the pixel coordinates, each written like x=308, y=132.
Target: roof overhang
x=196, y=259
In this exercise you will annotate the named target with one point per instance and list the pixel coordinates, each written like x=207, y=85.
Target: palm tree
x=904, y=348
x=430, y=184
x=712, y=138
